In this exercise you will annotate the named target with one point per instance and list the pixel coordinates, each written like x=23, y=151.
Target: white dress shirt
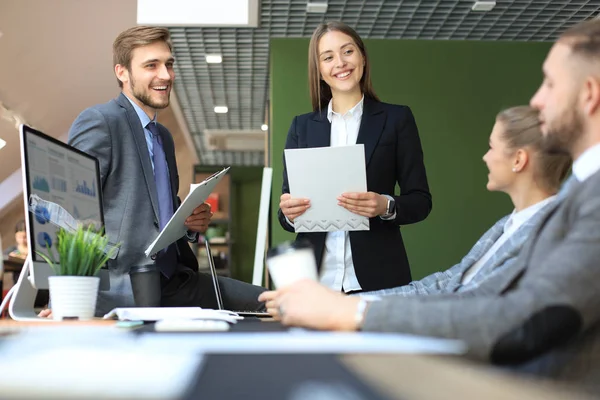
x=587, y=164
x=510, y=227
x=337, y=268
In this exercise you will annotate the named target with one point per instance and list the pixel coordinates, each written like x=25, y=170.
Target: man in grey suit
x=542, y=315
x=140, y=180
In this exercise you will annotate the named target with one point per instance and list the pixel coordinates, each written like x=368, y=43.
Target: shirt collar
x=519, y=218
x=144, y=119
x=355, y=111
x=587, y=164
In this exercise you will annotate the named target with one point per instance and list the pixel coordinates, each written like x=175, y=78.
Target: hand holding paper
x=322, y=174
x=176, y=227
x=200, y=218
x=293, y=208
x=369, y=204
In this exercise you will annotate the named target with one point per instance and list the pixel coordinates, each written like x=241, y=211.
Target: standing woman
x=346, y=111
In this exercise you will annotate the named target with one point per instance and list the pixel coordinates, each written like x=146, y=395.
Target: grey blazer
x=113, y=133
x=541, y=315
x=449, y=280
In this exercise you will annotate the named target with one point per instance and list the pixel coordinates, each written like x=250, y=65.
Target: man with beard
x=541, y=315
x=140, y=181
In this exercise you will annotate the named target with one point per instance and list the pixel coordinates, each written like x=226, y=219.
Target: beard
x=146, y=98
x=564, y=131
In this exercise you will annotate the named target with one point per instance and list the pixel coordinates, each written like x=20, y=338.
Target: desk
x=376, y=377
x=12, y=264
x=234, y=376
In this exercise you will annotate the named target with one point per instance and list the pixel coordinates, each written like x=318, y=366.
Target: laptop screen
x=213, y=274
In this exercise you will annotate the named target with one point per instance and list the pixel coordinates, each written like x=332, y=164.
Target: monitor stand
x=21, y=306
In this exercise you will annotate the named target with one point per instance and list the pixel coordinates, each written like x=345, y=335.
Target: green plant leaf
x=81, y=253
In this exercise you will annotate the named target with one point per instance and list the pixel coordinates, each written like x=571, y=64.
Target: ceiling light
x=483, y=6
x=2, y=143
x=214, y=58
x=221, y=109
x=264, y=127
x=320, y=8
x=188, y=13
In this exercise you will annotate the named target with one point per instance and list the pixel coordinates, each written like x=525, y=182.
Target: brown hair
x=521, y=129
x=135, y=37
x=584, y=38
x=20, y=226
x=320, y=92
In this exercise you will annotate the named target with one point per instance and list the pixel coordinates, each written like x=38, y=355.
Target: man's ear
x=122, y=73
x=589, y=95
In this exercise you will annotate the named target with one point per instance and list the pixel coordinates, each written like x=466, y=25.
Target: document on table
x=162, y=313
x=321, y=174
x=175, y=228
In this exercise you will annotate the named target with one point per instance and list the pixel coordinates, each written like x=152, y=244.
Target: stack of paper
x=160, y=313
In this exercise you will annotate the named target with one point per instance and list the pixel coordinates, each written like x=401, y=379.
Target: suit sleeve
x=290, y=143
x=414, y=203
x=547, y=307
x=431, y=284
x=90, y=133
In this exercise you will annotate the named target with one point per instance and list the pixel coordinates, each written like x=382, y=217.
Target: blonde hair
x=521, y=129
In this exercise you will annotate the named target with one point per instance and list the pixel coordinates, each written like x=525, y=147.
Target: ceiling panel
x=241, y=81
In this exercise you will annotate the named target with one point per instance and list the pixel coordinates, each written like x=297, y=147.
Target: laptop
x=213, y=273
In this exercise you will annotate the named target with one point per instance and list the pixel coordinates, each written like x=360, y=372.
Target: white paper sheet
x=161, y=313
x=322, y=174
x=175, y=228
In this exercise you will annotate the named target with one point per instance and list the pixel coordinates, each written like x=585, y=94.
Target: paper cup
x=290, y=262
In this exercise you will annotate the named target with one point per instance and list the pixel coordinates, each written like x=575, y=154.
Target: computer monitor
x=63, y=175
x=60, y=174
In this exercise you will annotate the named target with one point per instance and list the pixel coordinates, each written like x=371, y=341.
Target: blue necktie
x=167, y=258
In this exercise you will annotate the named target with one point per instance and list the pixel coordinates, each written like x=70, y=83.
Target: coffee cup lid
x=288, y=247
x=142, y=268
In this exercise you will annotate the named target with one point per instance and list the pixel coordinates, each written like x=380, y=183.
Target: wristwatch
x=391, y=207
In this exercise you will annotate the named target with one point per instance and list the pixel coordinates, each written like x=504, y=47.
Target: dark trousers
x=188, y=288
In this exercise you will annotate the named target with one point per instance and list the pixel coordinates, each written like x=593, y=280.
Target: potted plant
x=74, y=287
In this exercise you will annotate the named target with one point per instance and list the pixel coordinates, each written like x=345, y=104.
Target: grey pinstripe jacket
x=450, y=280
x=541, y=315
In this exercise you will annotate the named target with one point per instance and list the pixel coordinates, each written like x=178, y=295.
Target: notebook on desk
x=217, y=287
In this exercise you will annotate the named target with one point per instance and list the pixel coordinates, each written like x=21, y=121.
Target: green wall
x=455, y=89
x=245, y=200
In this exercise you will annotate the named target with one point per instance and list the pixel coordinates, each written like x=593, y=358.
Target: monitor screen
x=57, y=173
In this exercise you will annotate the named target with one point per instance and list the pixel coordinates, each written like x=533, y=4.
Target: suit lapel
x=484, y=244
x=140, y=140
x=319, y=130
x=371, y=127
x=525, y=255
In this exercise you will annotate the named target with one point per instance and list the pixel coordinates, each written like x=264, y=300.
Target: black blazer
x=392, y=154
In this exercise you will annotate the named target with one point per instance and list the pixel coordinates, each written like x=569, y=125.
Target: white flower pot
x=73, y=296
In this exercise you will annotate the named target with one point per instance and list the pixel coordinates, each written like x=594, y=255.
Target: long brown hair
x=521, y=129
x=320, y=92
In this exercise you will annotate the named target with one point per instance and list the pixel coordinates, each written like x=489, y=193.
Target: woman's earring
x=514, y=169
